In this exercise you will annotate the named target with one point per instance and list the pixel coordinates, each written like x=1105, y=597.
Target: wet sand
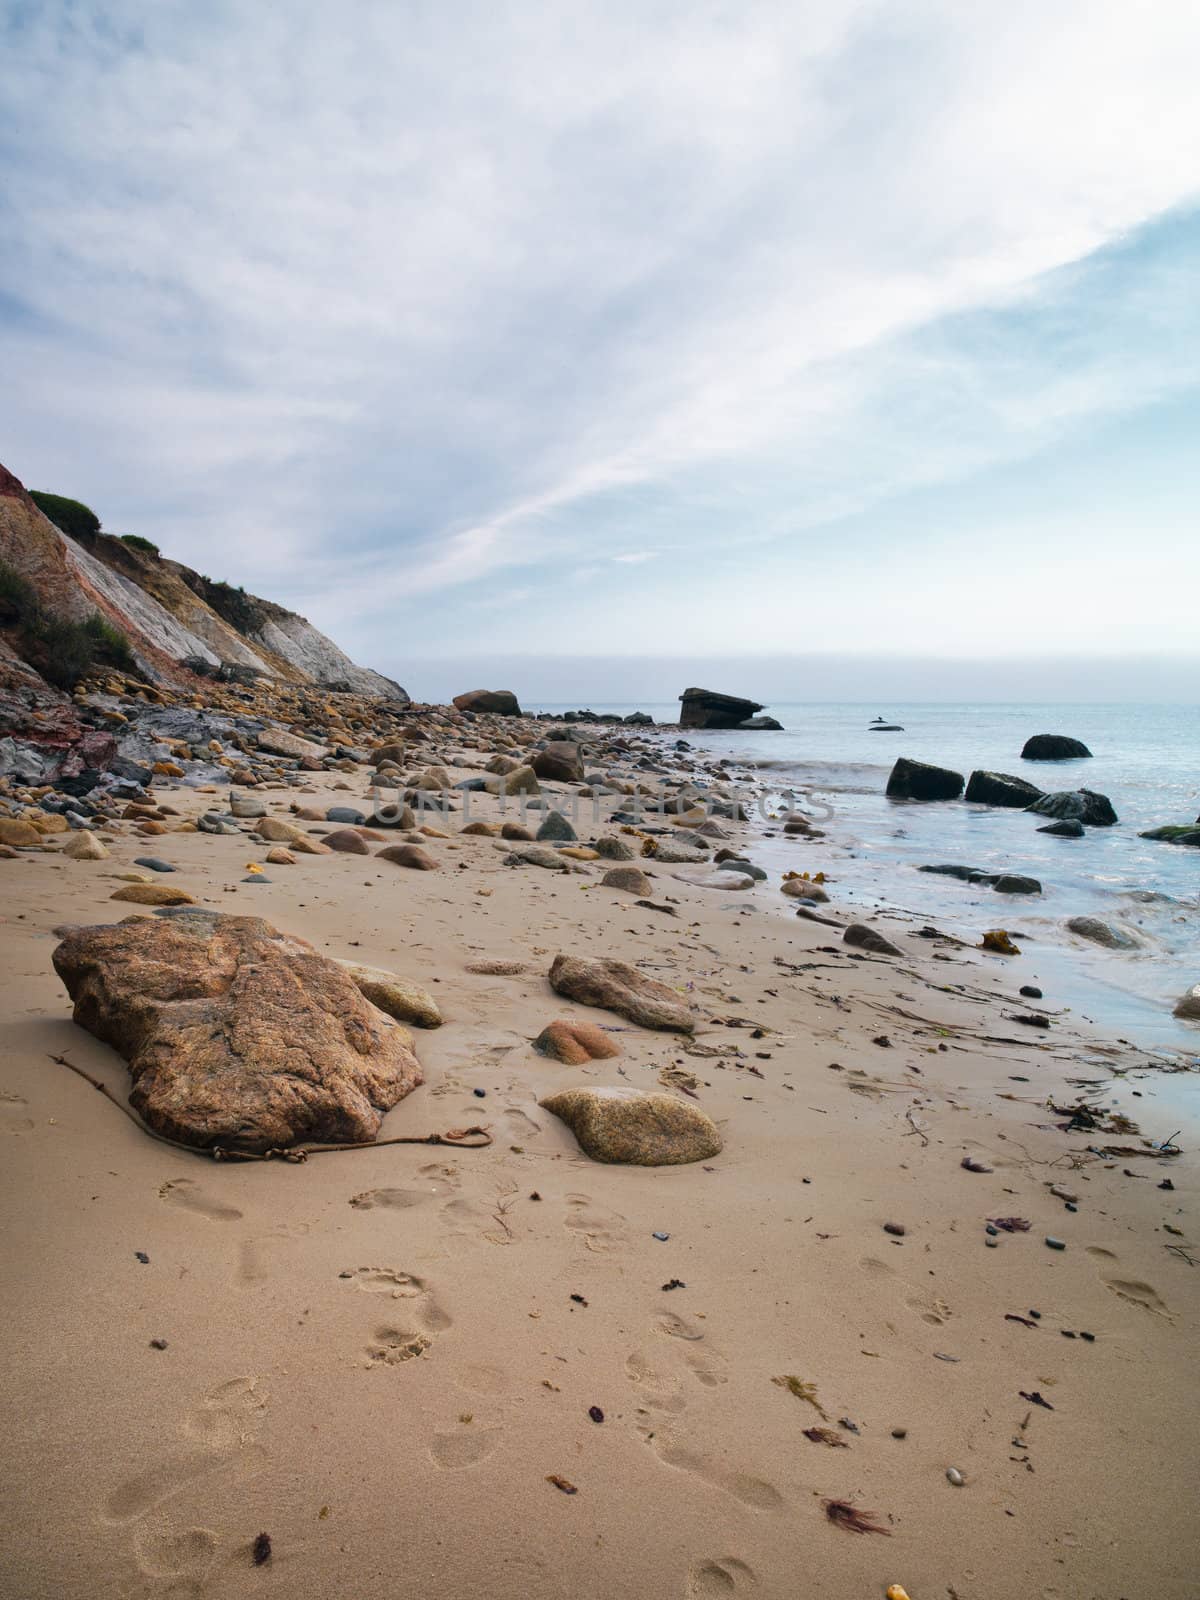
x=376, y=1356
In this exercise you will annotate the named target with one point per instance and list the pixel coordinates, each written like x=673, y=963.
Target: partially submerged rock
x=1077, y=805
x=614, y=986
x=645, y=1130
x=1174, y=834
x=1188, y=1007
x=917, y=780
x=235, y=1034
x=1001, y=789
x=706, y=708
x=1053, y=747
x=1096, y=931
x=575, y=1043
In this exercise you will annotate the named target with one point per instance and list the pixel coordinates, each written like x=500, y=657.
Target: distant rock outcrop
x=497, y=702
x=175, y=622
x=706, y=708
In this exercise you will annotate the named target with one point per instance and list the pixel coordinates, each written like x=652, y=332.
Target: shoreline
x=272, y=1284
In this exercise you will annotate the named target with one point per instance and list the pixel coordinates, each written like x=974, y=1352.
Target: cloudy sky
x=634, y=328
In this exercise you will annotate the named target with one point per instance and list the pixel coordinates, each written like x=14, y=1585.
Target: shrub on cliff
x=72, y=516
x=136, y=542
x=61, y=650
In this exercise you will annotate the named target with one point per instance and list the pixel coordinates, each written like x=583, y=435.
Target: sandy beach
x=380, y=1358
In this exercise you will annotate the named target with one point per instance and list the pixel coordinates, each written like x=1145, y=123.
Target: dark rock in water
x=236, y=1034
x=917, y=780
x=1001, y=789
x=1053, y=747
x=1031, y=991
x=560, y=762
x=950, y=870
x=1067, y=828
x=499, y=702
x=1077, y=805
x=761, y=725
x=1174, y=835
x=639, y=719
x=706, y=708
x=1188, y=1007
x=1102, y=933
x=861, y=937
x=1014, y=883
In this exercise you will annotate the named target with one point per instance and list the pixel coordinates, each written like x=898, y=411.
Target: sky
x=711, y=332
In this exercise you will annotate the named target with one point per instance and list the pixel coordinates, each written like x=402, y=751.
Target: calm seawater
x=1145, y=758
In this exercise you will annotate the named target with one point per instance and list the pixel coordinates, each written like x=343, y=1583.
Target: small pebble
x=955, y=1477
x=899, y=1433
x=1067, y=1333
x=158, y=1344
x=992, y=1244
x=1055, y=1244
x=661, y=1237
x=142, y=1257
x=1031, y=991
x=897, y=1229
x=1035, y=1314
x=995, y=1232
x=1090, y=1337
x=479, y=1093
x=595, y=1413
x=1071, y=1206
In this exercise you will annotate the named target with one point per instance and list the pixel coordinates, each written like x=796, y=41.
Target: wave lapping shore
x=935, y=1264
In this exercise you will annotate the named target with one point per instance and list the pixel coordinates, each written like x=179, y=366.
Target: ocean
x=1145, y=758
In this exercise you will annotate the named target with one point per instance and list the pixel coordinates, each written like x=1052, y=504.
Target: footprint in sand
x=600, y=1229
x=677, y=1327
x=520, y=1126
x=390, y=1346
x=754, y=1492
x=660, y=1391
x=482, y=1379
x=187, y=1194
x=186, y=1555
x=930, y=1309
x=223, y=1427
x=708, y=1579
x=400, y=1199
x=14, y=1117
x=1138, y=1294
x=423, y=1318
x=874, y=1268
x=466, y=1448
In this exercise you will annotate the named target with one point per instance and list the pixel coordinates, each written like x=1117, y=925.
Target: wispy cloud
x=368, y=311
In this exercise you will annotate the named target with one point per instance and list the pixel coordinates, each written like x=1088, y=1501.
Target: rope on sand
x=459, y=1138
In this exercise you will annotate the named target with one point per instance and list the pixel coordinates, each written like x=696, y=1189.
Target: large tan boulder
x=560, y=762
x=153, y=894
x=408, y=855
x=405, y=1001
x=280, y=743
x=614, y=986
x=631, y=879
x=235, y=1034
x=644, y=1130
x=276, y=831
x=500, y=702
x=348, y=841
x=84, y=846
x=20, y=834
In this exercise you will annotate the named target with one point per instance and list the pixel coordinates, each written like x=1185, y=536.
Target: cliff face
x=177, y=623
